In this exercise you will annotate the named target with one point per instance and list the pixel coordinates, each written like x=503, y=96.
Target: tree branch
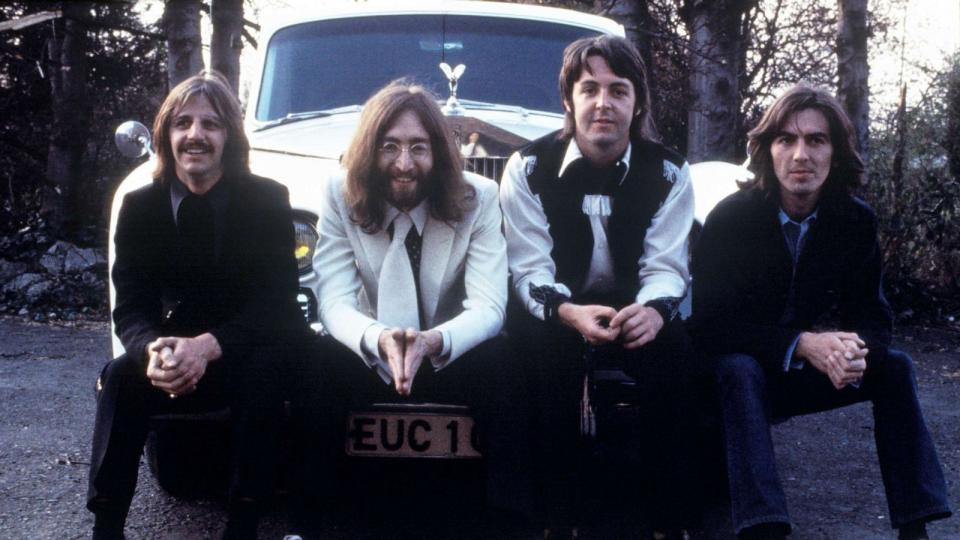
x=93, y=23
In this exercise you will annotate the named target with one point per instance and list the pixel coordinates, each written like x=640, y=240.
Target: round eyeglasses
x=392, y=150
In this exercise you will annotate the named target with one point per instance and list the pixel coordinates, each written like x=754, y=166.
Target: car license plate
x=412, y=431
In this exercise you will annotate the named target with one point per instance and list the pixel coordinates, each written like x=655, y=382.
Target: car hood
x=712, y=182
x=303, y=175
x=326, y=137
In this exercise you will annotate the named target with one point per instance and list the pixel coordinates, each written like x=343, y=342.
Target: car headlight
x=305, y=231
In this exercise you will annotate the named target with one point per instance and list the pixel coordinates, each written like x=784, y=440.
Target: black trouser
x=553, y=355
x=752, y=398
x=249, y=384
x=486, y=379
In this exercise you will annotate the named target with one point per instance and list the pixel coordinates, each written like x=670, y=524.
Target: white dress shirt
x=371, y=336
x=663, y=265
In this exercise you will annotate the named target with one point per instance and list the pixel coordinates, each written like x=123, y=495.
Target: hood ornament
x=453, y=107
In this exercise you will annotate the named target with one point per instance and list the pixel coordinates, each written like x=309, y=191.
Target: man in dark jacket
x=787, y=300
x=206, y=281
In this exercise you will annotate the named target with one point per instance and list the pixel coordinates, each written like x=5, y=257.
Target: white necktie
x=397, y=305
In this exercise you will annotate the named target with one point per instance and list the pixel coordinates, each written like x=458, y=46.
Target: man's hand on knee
x=176, y=364
x=592, y=321
x=637, y=325
x=160, y=363
x=855, y=349
x=841, y=356
x=852, y=368
x=855, y=357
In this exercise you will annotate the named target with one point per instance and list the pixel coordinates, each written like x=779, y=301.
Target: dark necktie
x=792, y=231
x=195, y=223
x=413, y=242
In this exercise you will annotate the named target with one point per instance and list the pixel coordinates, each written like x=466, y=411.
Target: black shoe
x=506, y=524
x=670, y=534
x=108, y=534
x=765, y=531
x=561, y=533
x=241, y=529
x=243, y=518
x=915, y=530
x=108, y=526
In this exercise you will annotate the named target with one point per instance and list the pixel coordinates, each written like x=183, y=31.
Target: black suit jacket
x=742, y=271
x=249, y=297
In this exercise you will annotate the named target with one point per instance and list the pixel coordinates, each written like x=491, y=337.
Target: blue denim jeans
x=752, y=399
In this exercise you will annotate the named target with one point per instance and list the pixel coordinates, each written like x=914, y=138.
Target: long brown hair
x=625, y=61
x=447, y=191
x=846, y=166
x=211, y=85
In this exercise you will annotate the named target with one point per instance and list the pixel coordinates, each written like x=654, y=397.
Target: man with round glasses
x=413, y=281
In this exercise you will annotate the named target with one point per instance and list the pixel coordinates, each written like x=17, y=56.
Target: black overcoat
x=248, y=298
x=742, y=272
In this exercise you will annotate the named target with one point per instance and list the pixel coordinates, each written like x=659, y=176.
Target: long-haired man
x=413, y=284
x=787, y=300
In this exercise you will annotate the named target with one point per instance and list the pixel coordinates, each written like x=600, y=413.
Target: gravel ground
x=47, y=374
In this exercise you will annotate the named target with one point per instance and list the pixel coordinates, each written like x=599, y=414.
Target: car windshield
x=328, y=64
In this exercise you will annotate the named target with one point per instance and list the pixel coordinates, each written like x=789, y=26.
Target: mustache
x=383, y=178
x=195, y=145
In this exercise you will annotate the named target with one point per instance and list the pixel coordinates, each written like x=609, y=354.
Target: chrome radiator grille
x=489, y=166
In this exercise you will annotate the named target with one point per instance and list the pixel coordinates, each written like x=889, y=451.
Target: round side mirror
x=133, y=139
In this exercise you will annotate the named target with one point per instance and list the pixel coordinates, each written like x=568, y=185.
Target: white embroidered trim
x=670, y=172
x=530, y=163
x=597, y=205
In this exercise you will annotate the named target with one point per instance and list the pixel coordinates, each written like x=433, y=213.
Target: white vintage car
x=316, y=71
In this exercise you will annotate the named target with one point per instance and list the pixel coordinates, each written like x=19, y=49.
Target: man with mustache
x=413, y=281
x=787, y=299
x=596, y=218
x=206, y=282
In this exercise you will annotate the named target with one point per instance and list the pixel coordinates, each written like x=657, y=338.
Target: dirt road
x=47, y=373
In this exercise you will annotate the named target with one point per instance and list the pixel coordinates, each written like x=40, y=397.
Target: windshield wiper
x=290, y=118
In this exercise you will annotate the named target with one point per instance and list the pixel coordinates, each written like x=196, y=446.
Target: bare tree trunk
x=635, y=17
x=853, y=68
x=715, y=69
x=181, y=24
x=67, y=50
x=227, y=42
x=953, y=121
x=895, y=237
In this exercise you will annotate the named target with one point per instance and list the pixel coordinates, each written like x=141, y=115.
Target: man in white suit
x=413, y=281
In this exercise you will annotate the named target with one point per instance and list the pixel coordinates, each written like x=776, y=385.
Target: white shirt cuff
x=370, y=344
x=789, y=362
x=441, y=361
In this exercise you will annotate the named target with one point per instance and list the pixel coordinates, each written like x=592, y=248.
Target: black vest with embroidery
x=634, y=203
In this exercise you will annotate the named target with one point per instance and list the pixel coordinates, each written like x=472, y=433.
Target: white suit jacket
x=463, y=271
